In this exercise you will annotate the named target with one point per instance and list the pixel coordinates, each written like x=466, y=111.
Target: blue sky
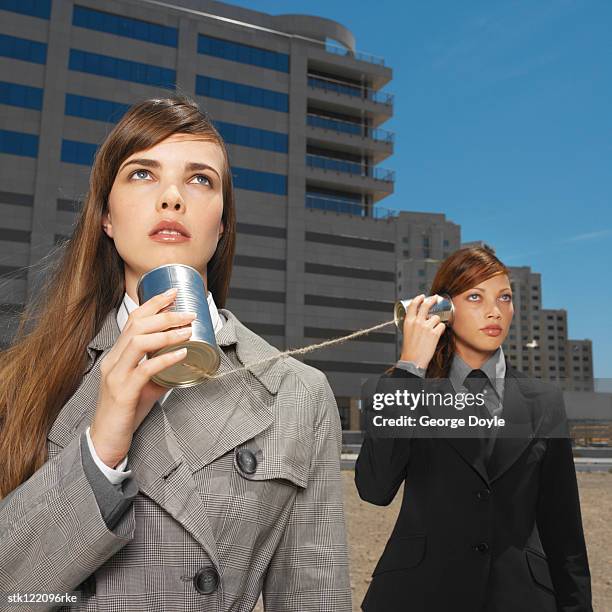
x=503, y=122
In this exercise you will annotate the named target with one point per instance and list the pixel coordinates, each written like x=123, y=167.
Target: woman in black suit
x=490, y=523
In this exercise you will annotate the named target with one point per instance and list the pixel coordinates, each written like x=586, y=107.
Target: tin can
x=443, y=308
x=203, y=357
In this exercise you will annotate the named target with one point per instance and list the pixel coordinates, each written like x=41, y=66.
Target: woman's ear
x=107, y=224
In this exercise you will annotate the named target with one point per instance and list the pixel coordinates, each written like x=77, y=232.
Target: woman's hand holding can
x=126, y=393
x=420, y=334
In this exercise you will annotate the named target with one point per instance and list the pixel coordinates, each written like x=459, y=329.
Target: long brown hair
x=45, y=364
x=459, y=272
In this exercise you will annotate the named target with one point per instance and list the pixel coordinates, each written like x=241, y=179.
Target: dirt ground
x=369, y=527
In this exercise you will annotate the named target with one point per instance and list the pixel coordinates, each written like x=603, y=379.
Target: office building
x=303, y=112
x=300, y=108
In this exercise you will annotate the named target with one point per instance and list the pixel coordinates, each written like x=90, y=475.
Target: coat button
x=483, y=495
x=483, y=547
x=206, y=580
x=246, y=460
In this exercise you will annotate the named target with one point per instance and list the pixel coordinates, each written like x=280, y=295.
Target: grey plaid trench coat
x=279, y=529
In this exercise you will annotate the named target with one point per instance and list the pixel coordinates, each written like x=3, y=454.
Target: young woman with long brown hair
x=141, y=497
x=487, y=523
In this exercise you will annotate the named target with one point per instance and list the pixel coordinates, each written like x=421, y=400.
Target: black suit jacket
x=497, y=535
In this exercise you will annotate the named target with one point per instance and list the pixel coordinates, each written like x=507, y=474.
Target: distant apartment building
x=538, y=342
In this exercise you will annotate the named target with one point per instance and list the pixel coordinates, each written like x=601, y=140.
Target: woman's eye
x=507, y=295
x=205, y=181
x=473, y=295
x=139, y=174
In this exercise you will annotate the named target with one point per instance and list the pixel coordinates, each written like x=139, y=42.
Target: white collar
x=128, y=305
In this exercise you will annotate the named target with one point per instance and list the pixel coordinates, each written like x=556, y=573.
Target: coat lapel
x=469, y=449
x=210, y=419
x=522, y=423
x=220, y=414
x=520, y=417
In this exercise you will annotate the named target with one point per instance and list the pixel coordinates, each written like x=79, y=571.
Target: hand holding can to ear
x=420, y=332
x=126, y=393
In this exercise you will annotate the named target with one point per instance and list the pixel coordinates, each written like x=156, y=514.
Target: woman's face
x=488, y=305
x=177, y=180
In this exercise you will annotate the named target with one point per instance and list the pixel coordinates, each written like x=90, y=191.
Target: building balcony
x=346, y=89
x=335, y=173
x=349, y=136
x=338, y=94
x=349, y=167
x=346, y=207
x=347, y=127
x=357, y=55
x=331, y=46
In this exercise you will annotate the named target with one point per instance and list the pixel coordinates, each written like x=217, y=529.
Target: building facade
x=302, y=118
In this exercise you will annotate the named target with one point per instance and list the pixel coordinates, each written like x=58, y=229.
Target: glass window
x=23, y=49
x=242, y=94
x=75, y=152
x=253, y=137
x=35, y=8
x=124, y=26
x=125, y=70
x=253, y=180
x=21, y=95
x=18, y=143
x=93, y=108
x=245, y=54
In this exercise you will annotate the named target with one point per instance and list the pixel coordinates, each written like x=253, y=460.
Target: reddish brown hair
x=44, y=365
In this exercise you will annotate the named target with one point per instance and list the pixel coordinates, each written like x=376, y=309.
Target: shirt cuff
x=411, y=367
x=115, y=476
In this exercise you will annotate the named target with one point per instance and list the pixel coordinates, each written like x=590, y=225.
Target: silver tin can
x=443, y=308
x=203, y=357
